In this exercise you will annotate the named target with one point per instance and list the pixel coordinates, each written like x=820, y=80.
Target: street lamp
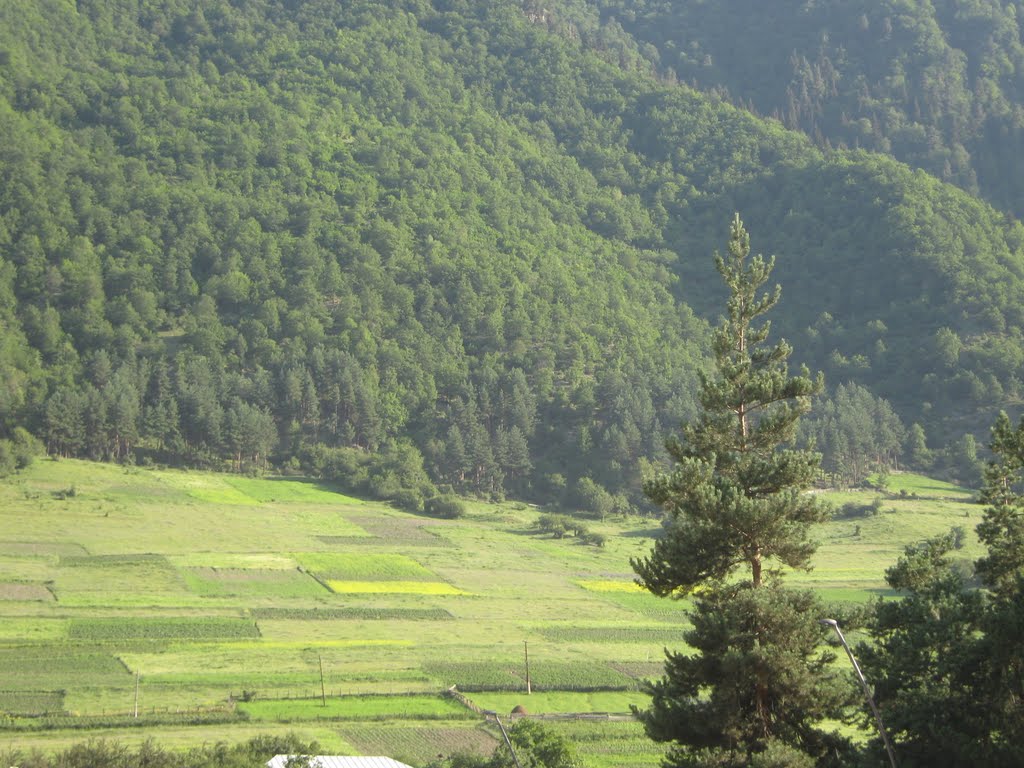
x=867, y=690
x=492, y=713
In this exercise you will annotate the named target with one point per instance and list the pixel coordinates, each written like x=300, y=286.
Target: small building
x=335, y=761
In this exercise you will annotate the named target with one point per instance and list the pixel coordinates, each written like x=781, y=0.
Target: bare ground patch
x=15, y=590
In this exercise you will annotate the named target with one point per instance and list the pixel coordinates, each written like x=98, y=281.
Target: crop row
x=413, y=707
x=31, y=702
x=145, y=719
x=103, y=561
x=551, y=676
x=54, y=665
x=352, y=612
x=645, y=635
x=417, y=744
x=208, y=628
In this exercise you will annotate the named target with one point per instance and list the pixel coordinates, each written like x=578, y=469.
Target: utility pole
x=323, y=693
x=136, y=693
x=526, y=654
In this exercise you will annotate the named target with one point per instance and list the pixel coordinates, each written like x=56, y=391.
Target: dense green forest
x=410, y=244
x=936, y=84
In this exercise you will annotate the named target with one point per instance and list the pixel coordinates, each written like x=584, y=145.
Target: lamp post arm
x=494, y=714
x=867, y=690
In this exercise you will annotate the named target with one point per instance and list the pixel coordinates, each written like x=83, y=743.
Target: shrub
x=409, y=499
x=448, y=507
x=556, y=525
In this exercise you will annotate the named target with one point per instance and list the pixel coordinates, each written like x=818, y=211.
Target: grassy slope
x=166, y=573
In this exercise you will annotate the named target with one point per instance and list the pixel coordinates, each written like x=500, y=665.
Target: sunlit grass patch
x=393, y=587
x=251, y=582
x=651, y=606
x=214, y=489
x=364, y=567
x=609, y=585
x=353, y=612
x=271, y=490
x=116, y=574
x=416, y=707
x=31, y=629
x=260, y=560
x=909, y=482
x=561, y=702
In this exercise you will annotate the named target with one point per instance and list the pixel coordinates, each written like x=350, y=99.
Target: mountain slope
x=444, y=234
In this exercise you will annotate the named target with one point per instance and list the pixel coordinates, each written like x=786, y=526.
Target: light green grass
x=561, y=702
x=360, y=566
x=288, y=490
x=358, y=708
x=251, y=582
x=193, y=580
x=393, y=587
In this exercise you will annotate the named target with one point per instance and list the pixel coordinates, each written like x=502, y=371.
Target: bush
x=447, y=507
x=409, y=499
x=556, y=525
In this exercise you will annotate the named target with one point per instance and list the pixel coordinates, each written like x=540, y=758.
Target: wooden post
x=526, y=655
x=323, y=694
x=136, y=693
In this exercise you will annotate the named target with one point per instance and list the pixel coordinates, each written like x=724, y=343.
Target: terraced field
x=235, y=606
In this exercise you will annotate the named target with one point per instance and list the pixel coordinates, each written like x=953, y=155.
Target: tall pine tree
x=757, y=686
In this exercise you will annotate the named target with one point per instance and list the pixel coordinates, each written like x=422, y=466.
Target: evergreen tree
x=757, y=684
x=947, y=662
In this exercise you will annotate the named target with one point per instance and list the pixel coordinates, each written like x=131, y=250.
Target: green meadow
x=232, y=606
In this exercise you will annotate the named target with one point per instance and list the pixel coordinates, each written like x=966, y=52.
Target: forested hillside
x=936, y=84
x=410, y=244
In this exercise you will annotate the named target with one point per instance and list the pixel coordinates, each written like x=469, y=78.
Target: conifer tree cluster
x=757, y=686
x=947, y=660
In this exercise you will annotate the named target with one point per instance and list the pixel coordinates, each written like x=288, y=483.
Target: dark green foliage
x=757, y=687
x=857, y=434
x=261, y=232
x=101, y=630
x=937, y=85
x=710, y=703
x=112, y=754
x=735, y=497
x=448, y=507
x=946, y=662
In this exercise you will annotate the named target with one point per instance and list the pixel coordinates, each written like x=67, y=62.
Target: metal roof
x=335, y=761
